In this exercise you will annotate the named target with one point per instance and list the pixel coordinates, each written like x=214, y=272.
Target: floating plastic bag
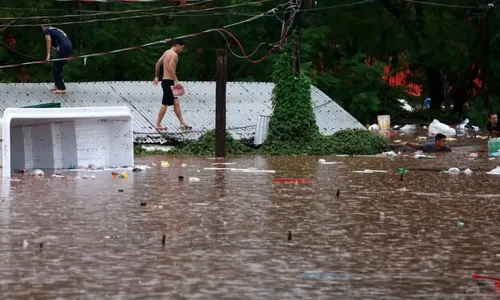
x=495, y=171
x=408, y=128
x=373, y=127
x=465, y=125
x=437, y=127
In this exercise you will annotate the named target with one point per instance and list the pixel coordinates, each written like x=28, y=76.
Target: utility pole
x=296, y=47
x=220, y=104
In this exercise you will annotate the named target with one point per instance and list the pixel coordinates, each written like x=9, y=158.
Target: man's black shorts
x=168, y=95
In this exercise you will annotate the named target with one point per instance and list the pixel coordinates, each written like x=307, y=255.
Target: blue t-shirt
x=431, y=147
x=58, y=37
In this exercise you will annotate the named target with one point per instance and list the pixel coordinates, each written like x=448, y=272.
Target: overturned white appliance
x=56, y=138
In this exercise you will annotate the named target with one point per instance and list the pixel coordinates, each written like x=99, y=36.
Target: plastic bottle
x=493, y=146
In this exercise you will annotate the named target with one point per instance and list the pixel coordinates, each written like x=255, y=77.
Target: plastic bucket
x=384, y=122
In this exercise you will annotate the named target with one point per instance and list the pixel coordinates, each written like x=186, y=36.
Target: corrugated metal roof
x=246, y=101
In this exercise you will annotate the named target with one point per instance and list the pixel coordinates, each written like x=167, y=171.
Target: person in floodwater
x=493, y=125
x=439, y=145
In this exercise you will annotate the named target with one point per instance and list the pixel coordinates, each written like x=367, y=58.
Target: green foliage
x=353, y=142
x=140, y=151
x=358, y=87
x=293, y=120
x=205, y=145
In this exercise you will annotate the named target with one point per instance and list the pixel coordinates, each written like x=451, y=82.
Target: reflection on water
x=226, y=235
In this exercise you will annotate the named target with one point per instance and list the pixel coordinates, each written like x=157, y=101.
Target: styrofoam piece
x=367, y=171
x=232, y=163
x=251, y=170
x=55, y=138
x=258, y=171
x=216, y=169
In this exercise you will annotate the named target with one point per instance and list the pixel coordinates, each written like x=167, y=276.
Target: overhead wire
x=143, y=45
x=443, y=4
x=276, y=45
x=146, y=16
x=106, y=12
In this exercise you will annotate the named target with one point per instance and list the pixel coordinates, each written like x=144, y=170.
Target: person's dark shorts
x=168, y=95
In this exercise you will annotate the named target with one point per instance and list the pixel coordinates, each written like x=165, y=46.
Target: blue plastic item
x=427, y=102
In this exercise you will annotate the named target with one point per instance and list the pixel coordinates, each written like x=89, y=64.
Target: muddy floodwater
x=226, y=235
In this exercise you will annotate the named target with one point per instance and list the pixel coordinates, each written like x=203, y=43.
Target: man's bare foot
x=53, y=89
x=185, y=126
x=160, y=128
x=57, y=91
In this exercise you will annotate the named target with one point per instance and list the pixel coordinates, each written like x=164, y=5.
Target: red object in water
x=298, y=180
x=479, y=276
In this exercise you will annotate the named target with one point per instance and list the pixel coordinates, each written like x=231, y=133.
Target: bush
x=205, y=145
x=353, y=142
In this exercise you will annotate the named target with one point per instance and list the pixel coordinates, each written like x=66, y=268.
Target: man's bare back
x=170, y=59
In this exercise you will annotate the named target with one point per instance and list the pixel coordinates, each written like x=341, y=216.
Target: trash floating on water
x=194, y=179
x=85, y=177
x=37, y=172
x=468, y=171
x=338, y=193
x=324, y=162
x=293, y=180
x=258, y=171
x=122, y=175
x=181, y=178
x=423, y=156
x=216, y=169
x=184, y=165
x=58, y=176
x=163, y=240
x=402, y=170
x=368, y=171
x=164, y=164
x=473, y=154
x=25, y=244
x=453, y=170
x=290, y=235
x=495, y=171
x=143, y=203
x=224, y=163
x=460, y=224
x=142, y=167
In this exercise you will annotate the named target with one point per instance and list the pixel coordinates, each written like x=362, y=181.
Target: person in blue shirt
x=439, y=145
x=58, y=40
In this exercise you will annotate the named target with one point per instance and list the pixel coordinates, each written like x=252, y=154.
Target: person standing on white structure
x=169, y=61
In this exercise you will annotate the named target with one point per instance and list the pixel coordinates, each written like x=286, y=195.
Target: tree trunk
x=435, y=83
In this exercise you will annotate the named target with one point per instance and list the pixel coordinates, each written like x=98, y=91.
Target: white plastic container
x=384, y=122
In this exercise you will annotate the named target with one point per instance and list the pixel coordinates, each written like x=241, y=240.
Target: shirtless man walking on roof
x=169, y=61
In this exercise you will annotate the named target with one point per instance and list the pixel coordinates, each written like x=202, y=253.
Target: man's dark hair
x=179, y=42
x=440, y=136
x=45, y=22
x=491, y=113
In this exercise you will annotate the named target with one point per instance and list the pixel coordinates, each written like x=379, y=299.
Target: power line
x=140, y=46
x=442, y=4
x=144, y=16
x=106, y=13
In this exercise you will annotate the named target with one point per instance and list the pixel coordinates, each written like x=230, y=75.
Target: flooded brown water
x=226, y=235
